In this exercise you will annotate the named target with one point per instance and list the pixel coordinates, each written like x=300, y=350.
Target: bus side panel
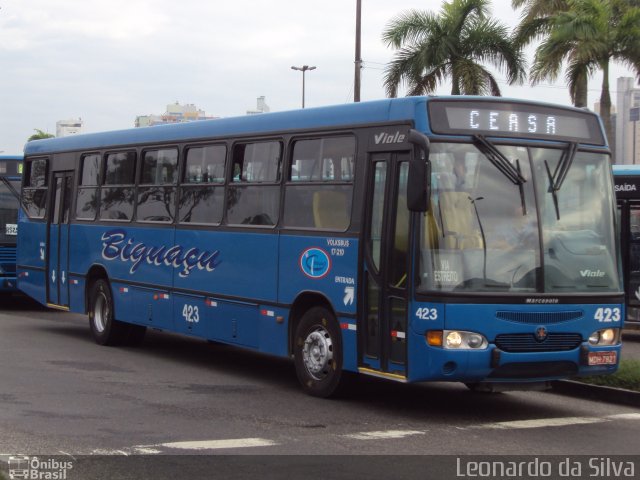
x=76, y=294
x=150, y=306
x=192, y=315
x=229, y=273
x=349, y=344
x=235, y=323
x=31, y=257
x=135, y=259
x=327, y=265
x=232, y=264
x=273, y=330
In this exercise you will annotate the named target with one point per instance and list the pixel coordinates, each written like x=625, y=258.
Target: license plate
x=603, y=358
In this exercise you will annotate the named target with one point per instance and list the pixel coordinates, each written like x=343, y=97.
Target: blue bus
x=467, y=239
x=627, y=185
x=10, y=173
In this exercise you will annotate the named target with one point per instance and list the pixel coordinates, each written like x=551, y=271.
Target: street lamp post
x=303, y=69
x=358, y=61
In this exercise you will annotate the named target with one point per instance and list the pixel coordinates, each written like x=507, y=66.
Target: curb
x=597, y=392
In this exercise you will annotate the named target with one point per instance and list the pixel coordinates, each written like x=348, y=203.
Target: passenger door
x=384, y=323
x=58, y=235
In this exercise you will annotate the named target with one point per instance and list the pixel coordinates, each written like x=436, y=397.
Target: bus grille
x=526, y=342
x=539, y=318
x=8, y=259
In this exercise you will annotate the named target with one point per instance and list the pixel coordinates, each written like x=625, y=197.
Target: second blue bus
x=10, y=179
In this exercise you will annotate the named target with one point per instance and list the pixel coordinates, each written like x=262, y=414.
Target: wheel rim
x=317, y=353
x=100, y=312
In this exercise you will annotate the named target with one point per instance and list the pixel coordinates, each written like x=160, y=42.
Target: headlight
x=606, y=336
x=456, y=340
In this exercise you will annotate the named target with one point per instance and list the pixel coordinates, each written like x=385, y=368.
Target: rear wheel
x=318, y=353
x=105, y=329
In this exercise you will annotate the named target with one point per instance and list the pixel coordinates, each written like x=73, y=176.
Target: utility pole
x=358, y=62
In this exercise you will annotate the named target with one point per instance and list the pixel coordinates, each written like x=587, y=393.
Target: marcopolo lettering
x=116, y=246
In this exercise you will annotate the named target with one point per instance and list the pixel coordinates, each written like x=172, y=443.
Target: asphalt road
x=61, y=394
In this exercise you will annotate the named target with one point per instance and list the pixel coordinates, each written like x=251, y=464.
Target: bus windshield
x=518, y=219
x=8, y=213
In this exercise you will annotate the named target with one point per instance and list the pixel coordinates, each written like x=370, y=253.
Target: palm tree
x=39, y=135
x=535, y=23
x=589, y=35
x=454, y=44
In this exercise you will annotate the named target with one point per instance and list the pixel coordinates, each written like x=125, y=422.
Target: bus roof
x=362, y=113
x=626, y=169
x=11, y=157
x=339, y=115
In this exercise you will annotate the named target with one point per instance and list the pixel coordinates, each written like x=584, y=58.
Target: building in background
x=64, y=128
x=261, y=107
x=627, y=122
x=175, y=113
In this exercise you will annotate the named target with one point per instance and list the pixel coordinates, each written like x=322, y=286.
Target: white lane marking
x=146, y=451
x=102, y=451
x=625, y=416
x=218, y=444
x=557, y=422
x=542, y=422
x=384, y=434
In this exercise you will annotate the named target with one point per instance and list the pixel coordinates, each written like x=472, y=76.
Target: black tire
x=317, y=350
x=105, y=329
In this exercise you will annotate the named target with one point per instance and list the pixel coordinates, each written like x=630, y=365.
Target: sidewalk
x=630, y=350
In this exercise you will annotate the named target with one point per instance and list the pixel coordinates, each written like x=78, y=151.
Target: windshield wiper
x=560, y=174
x=502, y=163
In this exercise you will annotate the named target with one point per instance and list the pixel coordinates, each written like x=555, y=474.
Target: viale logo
x=592, y=273
x=385, y=137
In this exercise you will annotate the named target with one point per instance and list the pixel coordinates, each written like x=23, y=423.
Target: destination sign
x=522, y=120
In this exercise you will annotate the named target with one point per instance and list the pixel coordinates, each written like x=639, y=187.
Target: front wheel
x=318, y=353
x=105, y=329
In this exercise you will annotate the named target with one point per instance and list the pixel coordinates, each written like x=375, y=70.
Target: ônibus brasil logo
x=116, y=246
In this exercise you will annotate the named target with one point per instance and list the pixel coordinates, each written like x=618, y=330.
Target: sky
x=108, y=62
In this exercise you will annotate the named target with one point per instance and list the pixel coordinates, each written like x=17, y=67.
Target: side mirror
x=418, y=186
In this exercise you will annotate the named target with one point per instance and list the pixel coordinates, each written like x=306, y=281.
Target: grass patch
x=627, y=376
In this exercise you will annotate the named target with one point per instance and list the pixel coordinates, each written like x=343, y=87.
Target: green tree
x=455, y=44
x=589, y=35
x=39, y=135
x=536, y=21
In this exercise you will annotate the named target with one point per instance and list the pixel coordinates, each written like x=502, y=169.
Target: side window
x=157, y=190
x=34, y=193
x=117, y=194
x=88, y=195
x=253, y=198
x=319, y=186
x=202, y=190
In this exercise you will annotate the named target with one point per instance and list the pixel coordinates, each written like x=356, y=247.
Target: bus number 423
x=607, y=315
x=427, y=313
x=191, y=314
